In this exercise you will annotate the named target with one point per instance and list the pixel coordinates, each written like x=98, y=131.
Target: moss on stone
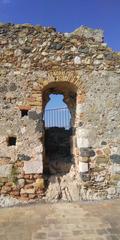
x=102, y=160
x=13, y=176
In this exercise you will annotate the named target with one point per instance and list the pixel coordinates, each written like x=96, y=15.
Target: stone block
x=4, y=160
x=115, y=168
x=82, y=142
x=23, y=157
x=84, y=159
x=39, y=149
x=77, y=60
x=3, y=88
x=23, y=130
x=39, y=127
x=74, y=191
x=86, y=32
x=33, y=166
x=85, y=137
x=21, y=182
x=101, y=160
x=99, y=178
x=27, y=191
x=108, y=152
x=103, y=143
x=13, y=87
x=39, y=184
x=34, y=115
x=2, y=139
x=111, y=191
x=118, y=190
x=5, y=170
x=85, y=176
x=83, y=167
x=97, y=62
x=87, y=152
x=115, y=158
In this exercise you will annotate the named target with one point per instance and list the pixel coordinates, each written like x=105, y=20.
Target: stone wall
x=37, y=61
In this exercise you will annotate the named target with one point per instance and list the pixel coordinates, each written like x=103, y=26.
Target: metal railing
x=57, y=118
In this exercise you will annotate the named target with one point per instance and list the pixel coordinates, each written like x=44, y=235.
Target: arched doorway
x=59, y=128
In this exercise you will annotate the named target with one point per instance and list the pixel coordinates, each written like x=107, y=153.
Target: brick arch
x=63, y=76
x=65, y=82
x=68, y=90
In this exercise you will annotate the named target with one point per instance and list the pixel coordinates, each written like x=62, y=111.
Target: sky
x=67, y=15
x=56, y=101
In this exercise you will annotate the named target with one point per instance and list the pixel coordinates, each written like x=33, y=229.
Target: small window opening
x=11, y=141
x=24, y=113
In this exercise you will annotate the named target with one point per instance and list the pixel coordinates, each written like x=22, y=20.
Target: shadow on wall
x=57, y=150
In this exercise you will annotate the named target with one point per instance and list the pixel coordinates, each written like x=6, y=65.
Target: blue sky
x=67, y=15
x=56, y=101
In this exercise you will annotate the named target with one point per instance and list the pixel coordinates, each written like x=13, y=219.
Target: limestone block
x=28, y=191
x=74, y=191
x=82, y=142
x=111, y=191
x=87, y=152
x=33, y=166
x=115, y=168
x=97, y=34
x=23, y=130
x=5, y=170
x=39, y=149
x=39, y=184
x=83, y=167
x=18, y=52
x=2, y=139
x=80, y=108
x=7, y=201
x=100, y=56
x=77, y=60
x=54, y=190
x=21, y=182
x=85, y=137
x=4, y=160
x=97, y=62
x=99, y=178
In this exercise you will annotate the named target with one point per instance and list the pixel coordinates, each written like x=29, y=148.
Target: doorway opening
x=57, y=135
x=59, y=103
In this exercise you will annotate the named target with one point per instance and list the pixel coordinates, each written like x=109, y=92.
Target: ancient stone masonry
x=36, y=61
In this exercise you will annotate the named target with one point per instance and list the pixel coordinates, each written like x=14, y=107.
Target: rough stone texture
x=6, y=201
x=85, y=137
x=35, y=62
x=96, y=34
x=5, y=170
x=53, y=193
x=32, y=167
